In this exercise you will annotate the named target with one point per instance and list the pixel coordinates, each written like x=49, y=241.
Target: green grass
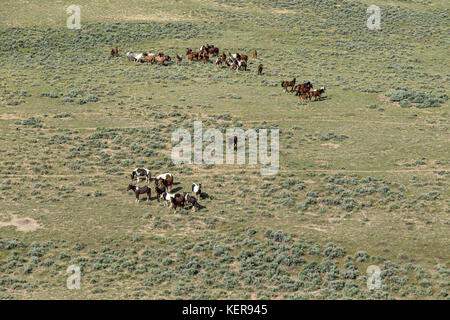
x=356, y=169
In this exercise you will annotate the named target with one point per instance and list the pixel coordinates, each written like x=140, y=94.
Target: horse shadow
x=175, y=190
x=204, y=195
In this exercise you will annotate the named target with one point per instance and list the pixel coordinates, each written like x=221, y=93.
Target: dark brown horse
x=140, y=190
x=286, y=84
x=114, y=52
x=159, y=190
x=177, y=201
x=260, y=69
x=302, y=88
x=192, y=200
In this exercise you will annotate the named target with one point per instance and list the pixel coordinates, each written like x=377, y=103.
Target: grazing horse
x=254, y=54
x=140, y=190
x=242, y=64
x=141, y=173
x=260, y=69
x=219, y=61
x=316, y=94
x=197, y=189
x=303, y=88
x=159, y=190
x=165, y=179
x=167, y=197
x=177, y=201
x=162, y=59
x=179, y=58
x=114, y=52
x=192, y=200
x=286, y=84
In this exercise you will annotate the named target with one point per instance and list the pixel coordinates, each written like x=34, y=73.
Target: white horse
x=168, y=198
x=131, y=56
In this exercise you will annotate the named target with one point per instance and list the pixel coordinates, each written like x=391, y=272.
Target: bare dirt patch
x=331, y=145
x=22, y=224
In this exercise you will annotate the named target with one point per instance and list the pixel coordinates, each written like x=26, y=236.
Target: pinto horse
x=197, y=189
x=140, y=190
x=316, y=94
x=286, y=84
x=165, y=179
x=141, y=173
x=179, y=58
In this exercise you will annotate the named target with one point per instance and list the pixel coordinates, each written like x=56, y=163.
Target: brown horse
x=254, y=54
x=177, y=201
x=286, y=84
x=159, y=190
x=140, y=190
x=114, y=52
x=224, y=56
x=179, y=58
x=213, y=51
x=243, y=57
x=192, y=55
x=303, y=88
x=192, y=200
x=260, y=69
x=150, y=59
x=163, y=59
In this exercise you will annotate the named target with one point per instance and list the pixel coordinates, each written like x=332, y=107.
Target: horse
x=205, y=57
x=159, y=190
x=219, y=61
x=177, y=201
x=162, y=59
x=167, y=197
x=150, y=59
x=179, y=58
x=243, y=57
x=192, y=55
x=242, y=64
x=213, y=51
x=316, y=93
x=224, y=56
x=140, y=57
x=197, y=189
x=165, y=179
x=192, y=200
x=188, y=50
x=254, y=54
x=303, y=88
x=131, y=56
x=286, y=84
x=140, y=190
x=141, y=173
x=114, y=52
x=234, y=56
x=260, y=69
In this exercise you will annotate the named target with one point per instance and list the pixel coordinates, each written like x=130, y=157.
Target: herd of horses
x=163, y=187
x=303, y=90
x=235, y=61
